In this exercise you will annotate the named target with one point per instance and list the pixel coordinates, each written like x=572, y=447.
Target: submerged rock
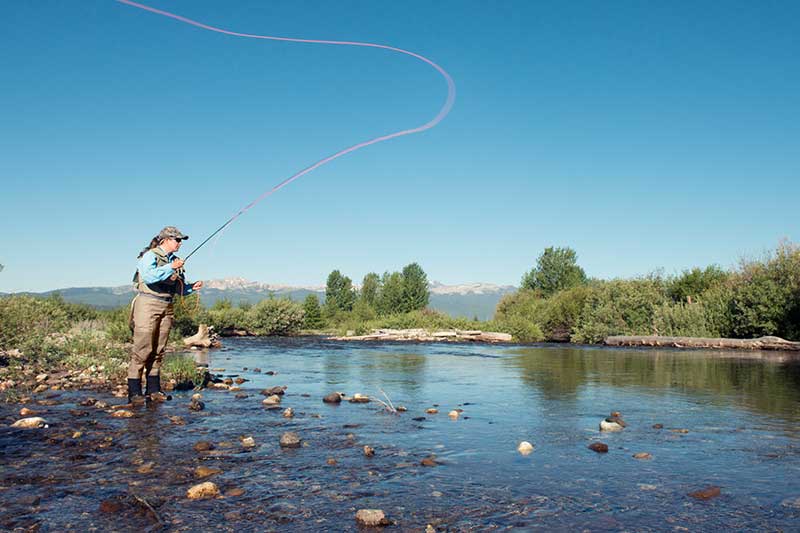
x=248, y=442
x=196, y=405
x=642, y=455
x=203, y=490
x=369, y=451
x=290, y=439
x=453, y=415
x=234, y=492
x=432, y=411
x=205, y=471
x=371, y=517
x=429, y=461
x=278, y=391
x=288, y=413
x=272, y=400
x=122, y=413
x=706, y=493
x=203, y=446
x=177, y=420
x=599, y=447
x=34, y=422
x=27, y=412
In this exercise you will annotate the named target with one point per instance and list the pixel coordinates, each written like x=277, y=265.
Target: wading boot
x=154, y=393
x=135, y=397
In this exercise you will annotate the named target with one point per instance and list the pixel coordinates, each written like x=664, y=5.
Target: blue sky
x=644, y=135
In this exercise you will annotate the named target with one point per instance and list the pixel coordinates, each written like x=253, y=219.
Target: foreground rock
x=706, y=493
x=525, y=448
x=203, y=490
x=371, y=517
x=290, y=439
x=423, y=335
x=34, y=422
x=599, y=447
x=761, y=343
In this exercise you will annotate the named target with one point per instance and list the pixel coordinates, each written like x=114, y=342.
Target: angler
x=159, y=278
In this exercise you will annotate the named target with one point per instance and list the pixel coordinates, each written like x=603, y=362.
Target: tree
x=313, y=316
x=556, y=269
x=339, y=293
x=415, y=288
x=369, y=289
x=692, y=283
x=390, y=299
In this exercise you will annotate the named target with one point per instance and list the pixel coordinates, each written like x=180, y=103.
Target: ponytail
x=153, y=243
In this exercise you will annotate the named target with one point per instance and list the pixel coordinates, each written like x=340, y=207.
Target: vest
x=163, y=289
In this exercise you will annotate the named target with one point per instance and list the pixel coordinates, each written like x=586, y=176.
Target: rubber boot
x=135, y=392
x=154, y=393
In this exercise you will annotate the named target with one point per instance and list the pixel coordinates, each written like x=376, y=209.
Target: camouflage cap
x=171, y=232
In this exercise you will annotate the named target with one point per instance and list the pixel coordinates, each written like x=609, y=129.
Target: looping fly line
x=445, y=109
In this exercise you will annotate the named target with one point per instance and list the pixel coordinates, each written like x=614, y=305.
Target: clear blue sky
x=643, y=134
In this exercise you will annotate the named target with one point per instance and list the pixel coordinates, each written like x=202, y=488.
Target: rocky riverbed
x=423, y=437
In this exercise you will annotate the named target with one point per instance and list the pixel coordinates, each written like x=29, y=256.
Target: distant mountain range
x=468, y=300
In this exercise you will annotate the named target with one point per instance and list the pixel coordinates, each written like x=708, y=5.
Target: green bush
x=562, y=312
x=225, y=318
x=620, y=307
x=693, y=283
x=521, y=329
x=276, y=317
x=27, y=322
x=682, y=320
x=118, y=324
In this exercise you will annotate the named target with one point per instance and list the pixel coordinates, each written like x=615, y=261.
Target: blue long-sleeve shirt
x=150, y=273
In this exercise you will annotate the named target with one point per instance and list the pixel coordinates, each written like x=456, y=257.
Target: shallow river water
x=739, y=416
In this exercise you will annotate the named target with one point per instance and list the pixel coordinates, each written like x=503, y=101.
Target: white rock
x=34, y=422
x=525, y=447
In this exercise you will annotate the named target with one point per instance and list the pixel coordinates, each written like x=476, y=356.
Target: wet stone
x=88, y=402
x=290, y=439
x=205, y=471
x=197, y=406
x=525, y=448
x=369, y=451
x=177, y=420
x=429, y=461
x=330, y=461
x=241, y=395
x=642, y=455
x=110, y=506
x=371, y=517
x=658, y=426
x=248, y=442
x=274, y=391
x=333, y=397
x=203, y=446
x=234, y=492
x=431, y=411
x=203, y=490
x=27, y=412
x=599, y=447
x=35, y=422
x=122, y=413
x=706, y=493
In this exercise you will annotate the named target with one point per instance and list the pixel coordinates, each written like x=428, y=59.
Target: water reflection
x=766, y=385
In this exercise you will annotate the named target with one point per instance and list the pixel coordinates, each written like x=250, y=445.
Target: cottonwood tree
x=556, y=269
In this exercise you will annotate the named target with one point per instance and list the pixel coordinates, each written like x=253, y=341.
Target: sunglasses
x=178, y=240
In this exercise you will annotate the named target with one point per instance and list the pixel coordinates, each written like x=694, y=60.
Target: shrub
x=521, y=329
x=619, y=307
x=682, y=320
x=26, y=322
x=692, y=283
x=225, y=318
x=562, y=312
x=275, y=317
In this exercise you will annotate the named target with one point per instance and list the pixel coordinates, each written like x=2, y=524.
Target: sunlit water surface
x=742, y=417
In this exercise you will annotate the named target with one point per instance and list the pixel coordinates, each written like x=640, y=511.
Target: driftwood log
x=761, y=343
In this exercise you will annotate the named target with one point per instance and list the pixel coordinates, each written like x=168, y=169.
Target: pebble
x=658, y=426
x=599, y=447
x=371, y=517
x=288, y=413
x=453, y=415
x=401, y=409
x=359, y=398
x=88, y=402
x=279, y=391
x=248, y=442
x=203, y=490
x=177, y=420
x=706, y=493
x=203, y=446
x=233, y=493
x=642, y=455
x=272, y=400
x=101, y=405
x=196, y=405
x=146, y=468
x=369, y=451
x=34, y=422
x=431, y=411
x=290, y=439
x=196, y=397
x=331, y=461
x=27, y=412
x=205, y=471
x=241, y=396
x=525, y=447
x=681, y=431
x=429, y=461
x=122, y=413
x=333, y=397
x=239, y=381
x=647, y=486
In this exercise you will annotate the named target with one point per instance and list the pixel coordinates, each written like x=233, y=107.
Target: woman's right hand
x=177, y=263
